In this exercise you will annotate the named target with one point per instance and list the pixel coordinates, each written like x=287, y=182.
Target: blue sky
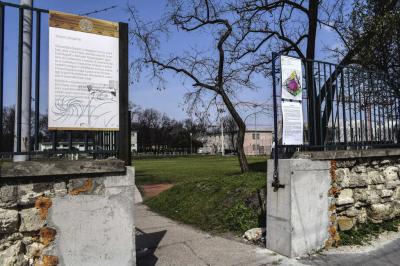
x=144, y=92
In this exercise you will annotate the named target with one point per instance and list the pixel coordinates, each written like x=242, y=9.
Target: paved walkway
x=386, y=255
x=161, y=241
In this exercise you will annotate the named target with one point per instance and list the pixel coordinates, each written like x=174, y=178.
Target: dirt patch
x=153, y=190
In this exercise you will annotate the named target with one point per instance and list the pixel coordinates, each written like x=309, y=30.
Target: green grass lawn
x=209, y=192
x=191, y=168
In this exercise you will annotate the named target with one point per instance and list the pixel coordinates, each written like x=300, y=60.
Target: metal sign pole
x=124, y=151
x=275, y=182
x=23, y=110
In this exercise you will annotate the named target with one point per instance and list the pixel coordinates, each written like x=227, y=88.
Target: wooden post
x=124, y=136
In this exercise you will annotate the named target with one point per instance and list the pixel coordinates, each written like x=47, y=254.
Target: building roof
x=261, y=130
x=258, y=128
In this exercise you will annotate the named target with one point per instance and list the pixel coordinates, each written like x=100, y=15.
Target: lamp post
x=222, y=139
x=191, y=143
x=221, y=110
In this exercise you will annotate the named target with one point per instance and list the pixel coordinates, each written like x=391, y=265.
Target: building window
x=256, y=147
x=256, y=135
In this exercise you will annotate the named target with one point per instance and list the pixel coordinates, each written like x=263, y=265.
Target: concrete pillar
x=26, y=83
x=298, y=215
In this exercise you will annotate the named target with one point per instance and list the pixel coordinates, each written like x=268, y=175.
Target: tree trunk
x=310, y=55
x=244, y=167
x=240, y=150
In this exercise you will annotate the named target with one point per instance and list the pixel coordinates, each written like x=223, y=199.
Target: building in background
x=212, y=143
x=257, y=141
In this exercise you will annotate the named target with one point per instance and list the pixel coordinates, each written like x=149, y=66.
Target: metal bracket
x=276, y=184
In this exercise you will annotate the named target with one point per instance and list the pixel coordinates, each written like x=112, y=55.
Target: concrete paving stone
x=220, y=251
x=143, y=210
x=387, y=255
x=153, y=222
x=281, y=262
x=172, y=243
x=177, y=254
x=143, y=214
x=158, y=237
x=165, y=242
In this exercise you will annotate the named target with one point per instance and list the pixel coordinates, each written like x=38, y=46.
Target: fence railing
x=344, y=108
x=43, y=142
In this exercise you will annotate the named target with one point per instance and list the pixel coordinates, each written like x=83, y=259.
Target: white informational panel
x=83, y=76
x=291, y=101
x=291, y=77
x=292, y=116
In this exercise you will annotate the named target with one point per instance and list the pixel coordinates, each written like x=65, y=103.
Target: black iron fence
x=343, y=108
x=43, y=142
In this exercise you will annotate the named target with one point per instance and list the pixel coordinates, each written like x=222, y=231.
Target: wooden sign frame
x=83, y=24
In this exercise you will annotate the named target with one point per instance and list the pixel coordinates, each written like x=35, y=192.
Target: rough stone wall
x=23, y=212
x=364, y=190
x=27, y=235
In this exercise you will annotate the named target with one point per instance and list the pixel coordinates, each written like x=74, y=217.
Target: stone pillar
x=298, y=215
x=67, y=213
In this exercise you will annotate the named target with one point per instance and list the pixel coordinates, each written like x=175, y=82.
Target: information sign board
x=83, y=73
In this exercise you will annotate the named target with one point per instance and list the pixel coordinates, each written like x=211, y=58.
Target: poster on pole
x=292, y=116
x=291, y=78
x=292, y=111
x=83, y=73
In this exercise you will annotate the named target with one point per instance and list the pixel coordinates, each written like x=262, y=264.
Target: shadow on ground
x=146, y=244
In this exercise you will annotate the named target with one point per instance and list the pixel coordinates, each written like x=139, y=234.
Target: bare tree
x=291, y=27
x=284, y=27
x=7, y=138
x=214, y=75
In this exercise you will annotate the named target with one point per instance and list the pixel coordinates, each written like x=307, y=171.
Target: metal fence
x=344, y=108
x=53, y=143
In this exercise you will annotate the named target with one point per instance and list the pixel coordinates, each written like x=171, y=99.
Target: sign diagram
x=292, y=112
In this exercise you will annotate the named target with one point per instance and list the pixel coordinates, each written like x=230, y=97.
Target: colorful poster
x=291, y=77
x=83, y=73
x=292, y=116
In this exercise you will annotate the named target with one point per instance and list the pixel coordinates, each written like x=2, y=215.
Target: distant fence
x=95, y=143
